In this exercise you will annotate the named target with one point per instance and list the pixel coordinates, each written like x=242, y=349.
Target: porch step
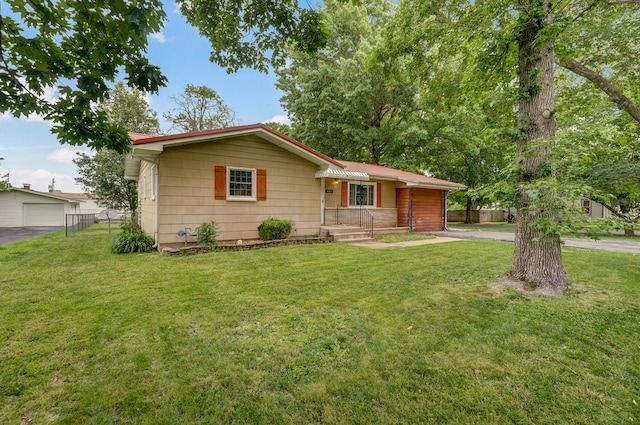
x=388, y=230
x=347, y=234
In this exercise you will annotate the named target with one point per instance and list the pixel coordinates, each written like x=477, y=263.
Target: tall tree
x=341, y=100
x=76, y=48
x=129, y=109
x=102, y=175
x=518, y=41
x=199, y=108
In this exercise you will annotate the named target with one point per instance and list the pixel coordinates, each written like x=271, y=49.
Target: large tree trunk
x=468, y=219
x=537, y=258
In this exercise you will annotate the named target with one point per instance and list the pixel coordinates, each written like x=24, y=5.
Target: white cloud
x=159, y=37
x=5, y=116
x=40, y=180
x=64, y=155
x=280, y=119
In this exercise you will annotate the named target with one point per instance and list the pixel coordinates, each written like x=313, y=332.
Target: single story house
x=25, y=207
x=242, y=175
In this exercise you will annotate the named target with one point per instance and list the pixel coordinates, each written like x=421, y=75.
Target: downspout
x=156, y=184
x=322, y=199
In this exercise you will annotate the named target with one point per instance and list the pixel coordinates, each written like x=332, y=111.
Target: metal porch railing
x=355, y=216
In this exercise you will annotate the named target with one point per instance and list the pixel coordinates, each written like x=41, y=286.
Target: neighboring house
x=240, y=176
x=593, y=209
x=25, y=207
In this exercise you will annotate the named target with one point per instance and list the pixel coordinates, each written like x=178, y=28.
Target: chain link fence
x=77, y=222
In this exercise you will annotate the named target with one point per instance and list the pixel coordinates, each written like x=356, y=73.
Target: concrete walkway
x=382, y=245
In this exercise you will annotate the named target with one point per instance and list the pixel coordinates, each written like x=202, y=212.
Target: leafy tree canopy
x=199, y=108
x=341, y=100
x=254, y=33
x=129, y=109
x=76, y=48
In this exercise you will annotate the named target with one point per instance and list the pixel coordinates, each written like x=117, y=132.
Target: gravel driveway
x=13, y=234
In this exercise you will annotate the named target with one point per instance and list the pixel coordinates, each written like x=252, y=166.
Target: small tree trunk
x=628, y=231
x=537, y=258
x=468, y=219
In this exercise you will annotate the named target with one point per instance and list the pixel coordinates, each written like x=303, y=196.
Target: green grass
x=326, y=333
x=402, y=237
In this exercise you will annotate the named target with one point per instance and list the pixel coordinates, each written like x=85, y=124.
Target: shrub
x=274, y=228
x=131, y=239
x=208, y=234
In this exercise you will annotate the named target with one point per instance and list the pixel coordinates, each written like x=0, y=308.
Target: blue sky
x=33, y=155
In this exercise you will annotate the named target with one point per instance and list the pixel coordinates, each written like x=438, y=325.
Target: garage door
x=43, y=214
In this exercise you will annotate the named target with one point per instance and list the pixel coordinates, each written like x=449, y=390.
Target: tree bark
x=468, y=219
x=615, y=94
x=537, y=257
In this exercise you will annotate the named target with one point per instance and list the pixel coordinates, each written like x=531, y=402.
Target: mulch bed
x=244, y=246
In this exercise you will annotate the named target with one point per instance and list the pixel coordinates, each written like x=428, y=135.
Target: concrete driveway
x=13, y=234
x=584, y=243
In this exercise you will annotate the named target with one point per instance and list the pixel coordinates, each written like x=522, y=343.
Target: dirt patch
x=526, y=287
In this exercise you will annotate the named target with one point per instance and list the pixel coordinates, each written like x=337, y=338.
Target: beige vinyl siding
x=186, y=191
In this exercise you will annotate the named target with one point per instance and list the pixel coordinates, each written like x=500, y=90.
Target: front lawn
x=326, y=333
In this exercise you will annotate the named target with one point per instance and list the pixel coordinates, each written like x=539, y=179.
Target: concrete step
x=389, y=230
x=350, y=235
x=346, y=233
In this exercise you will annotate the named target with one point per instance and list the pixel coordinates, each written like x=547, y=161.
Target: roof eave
x=46, y=195
x=152, y=147
x=453, y=188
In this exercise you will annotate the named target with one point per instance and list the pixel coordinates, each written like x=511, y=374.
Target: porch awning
x=335, y=173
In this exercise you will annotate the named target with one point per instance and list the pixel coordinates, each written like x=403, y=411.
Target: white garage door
x=43, y=214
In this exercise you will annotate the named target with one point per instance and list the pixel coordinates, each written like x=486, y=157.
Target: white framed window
x=362, y=194
x=241, y=184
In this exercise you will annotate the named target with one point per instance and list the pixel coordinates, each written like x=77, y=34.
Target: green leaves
x=199, y=108
x=342, y=100
x=254, y=33
x=74, y=49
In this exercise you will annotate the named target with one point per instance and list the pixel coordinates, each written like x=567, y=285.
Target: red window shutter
x=345, y=194
x=220, y=183
x=378, y=195
x=261, y=177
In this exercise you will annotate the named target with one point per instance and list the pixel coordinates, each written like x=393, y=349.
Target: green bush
x=274, y=228
x=208, y=234
x=131, y=239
